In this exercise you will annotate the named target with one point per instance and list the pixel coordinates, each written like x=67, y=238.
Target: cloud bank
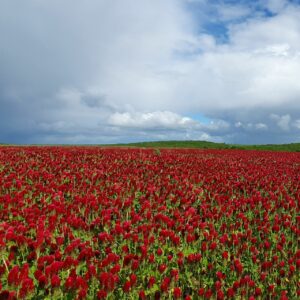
x=117, y=71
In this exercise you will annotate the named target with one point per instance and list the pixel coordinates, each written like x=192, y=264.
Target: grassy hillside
x=295, y=147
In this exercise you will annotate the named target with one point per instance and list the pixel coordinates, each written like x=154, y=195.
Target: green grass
x=294, y=147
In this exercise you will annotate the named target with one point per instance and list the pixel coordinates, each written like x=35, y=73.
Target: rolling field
x=116, y=223
x=293, y=147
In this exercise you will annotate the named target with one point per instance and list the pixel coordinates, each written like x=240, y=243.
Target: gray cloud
x=93, y=101
x=109, y=71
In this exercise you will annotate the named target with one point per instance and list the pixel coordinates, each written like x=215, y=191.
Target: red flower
x=135, y=265
x=225, y=255
x=238, y=266
x=101, y=294
x=127, y=286
x=281, y=264
x=271, y=287
x=257, y=291
x=142, y=295
x=263, y=276
x=82, y=294
x=55, y=281
x=133, y=279
x=162, y=268
x=13, y=276
x=115, y=269
x=220, y=295
x=230, y=292
x=218, y=285
x=175, y=274
x=201, y=291
x=70, y=283
x=177, y=292
x=220, y=275
x=292, y=269
x=151, y=258
x=236, y=285
x=283, y=295
x=213, y=246
x=208, y=294
x=107, y=280
x=42, y=280
x=27, y=287
x=165, y=284
x=151, y=282
x=180, y=262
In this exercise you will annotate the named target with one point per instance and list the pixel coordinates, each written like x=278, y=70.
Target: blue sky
x=103, y=71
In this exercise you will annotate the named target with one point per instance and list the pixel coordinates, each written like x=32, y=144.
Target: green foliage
x=293, y=147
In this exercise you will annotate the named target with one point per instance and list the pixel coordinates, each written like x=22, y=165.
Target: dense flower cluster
x=100, y=223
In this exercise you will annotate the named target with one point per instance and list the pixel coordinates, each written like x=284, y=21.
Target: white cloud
x=257, y=33
x=232, y=12
x=207, y=137
x=251, y=126
x=238, y=124
x=100, y=66
x=261, y=126
x=275, y=50
x=283, y=122
x=216, y=125
x=275, y=6
x=258, y=67
x=297, y=124
x=163, y=119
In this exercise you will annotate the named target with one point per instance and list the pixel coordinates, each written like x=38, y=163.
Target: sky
x=110, y=71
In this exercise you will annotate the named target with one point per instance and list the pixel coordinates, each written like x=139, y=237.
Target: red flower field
x=100, y=223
